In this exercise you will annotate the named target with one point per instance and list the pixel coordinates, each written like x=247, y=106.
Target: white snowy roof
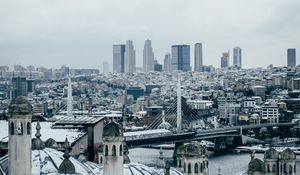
x=48, y=160
x=59, y=135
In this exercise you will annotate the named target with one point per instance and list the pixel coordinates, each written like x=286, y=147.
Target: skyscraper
x=130, y=66
x=167, y=63
x=291, y=57
x=105, y=67
x=198, y=62
x=237, y=56
x=225, y=60
x=19, y=86
x=148, y=57
x=118, y=58
x=181, y=57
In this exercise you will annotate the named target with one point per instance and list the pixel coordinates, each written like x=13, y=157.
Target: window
x=196, y=168
x=189, y=168
x=20, y=128
x=268, y=168
x=28, y=128
x=201, y=167
x=101, y=159
x=121, y=150
x=179, y=163
x=184, y=168
x=291, y=169
x=273, y=168
x=114, y=150
x=12, y=128
x=106, y=150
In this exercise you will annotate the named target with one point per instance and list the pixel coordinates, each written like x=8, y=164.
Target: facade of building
x=270, y=112
x=167, y=63
x=237, y=56
x=148, y=57
x=198, y=62
x=118, y=58
x=130, y=65
x=291, y=57
x=225, y=60
x=181, y=58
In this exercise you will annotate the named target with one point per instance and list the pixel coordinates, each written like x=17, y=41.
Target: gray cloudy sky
x=80, y=33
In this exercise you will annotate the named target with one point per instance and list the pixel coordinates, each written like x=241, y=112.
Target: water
x=228, y=162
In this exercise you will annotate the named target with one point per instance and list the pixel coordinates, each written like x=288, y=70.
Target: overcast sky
x=80, y=33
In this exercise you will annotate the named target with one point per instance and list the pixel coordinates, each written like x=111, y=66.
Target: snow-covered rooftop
x=59, y=135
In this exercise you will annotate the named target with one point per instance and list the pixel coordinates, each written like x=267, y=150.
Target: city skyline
x=48, y=35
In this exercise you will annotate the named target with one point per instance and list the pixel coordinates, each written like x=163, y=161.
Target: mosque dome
x=271, y=154
x=51, y=143
x=256, y=165
x=288, y=154
x=191, y=150
x=19, y=106
x=165, y=125
x=112, y=129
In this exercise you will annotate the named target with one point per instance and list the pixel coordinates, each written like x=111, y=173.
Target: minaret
x=179, y=115
x=19, y=137
x=113, y=149
x=70, y=98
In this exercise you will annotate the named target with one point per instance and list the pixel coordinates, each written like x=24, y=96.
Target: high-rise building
x=148, y=57
x=181, y=58
x=105, y=67
x=167, y=63
x=19, y=86
x=225, y=60
x=291, y=57
x=118, y=58
x=198, y=62
x=130, y=66
x=237, y=56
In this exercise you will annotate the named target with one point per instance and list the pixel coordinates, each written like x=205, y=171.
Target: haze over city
x=80, y=34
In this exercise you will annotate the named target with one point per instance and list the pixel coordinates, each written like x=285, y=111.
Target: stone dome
x=192, y=150
x=288, y=154
x=271, y=154
x=256, y=165
x=112, y=129
x=51, y=143
x=19, y=106
x=47, y=161
x=165, y=125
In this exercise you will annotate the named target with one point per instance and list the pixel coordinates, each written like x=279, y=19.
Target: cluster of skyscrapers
x=124, y=59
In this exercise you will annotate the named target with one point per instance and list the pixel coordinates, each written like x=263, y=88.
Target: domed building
x=192, y=159
x=256, y=167
x=33, y=156
x=274, y=163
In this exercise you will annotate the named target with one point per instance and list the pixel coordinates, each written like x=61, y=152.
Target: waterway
x=229, y=163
